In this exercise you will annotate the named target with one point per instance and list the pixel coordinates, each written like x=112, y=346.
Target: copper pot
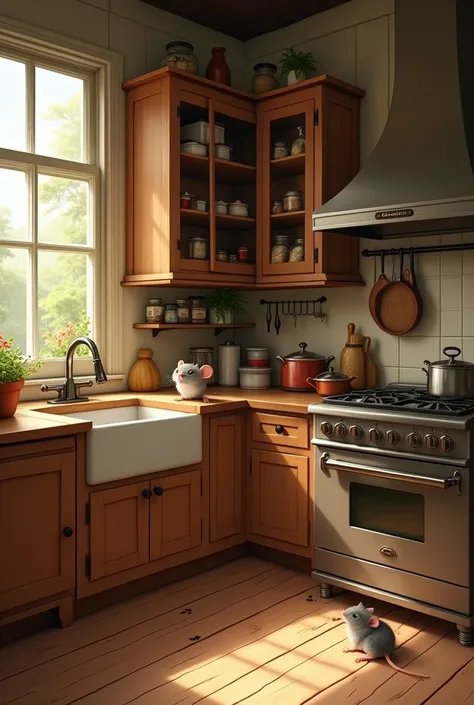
x=329, y=383
x=298, y=366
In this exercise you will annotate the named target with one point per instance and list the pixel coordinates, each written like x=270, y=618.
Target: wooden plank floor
x=249, y=632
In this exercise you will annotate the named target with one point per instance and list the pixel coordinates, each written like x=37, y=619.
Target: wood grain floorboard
x=266, y=638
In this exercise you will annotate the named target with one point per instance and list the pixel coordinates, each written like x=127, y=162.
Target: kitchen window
x=57, y=182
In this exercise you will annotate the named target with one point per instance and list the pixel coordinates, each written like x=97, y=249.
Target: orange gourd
x=144, y=375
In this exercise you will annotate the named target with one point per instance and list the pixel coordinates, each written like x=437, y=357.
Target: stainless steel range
x=393, y=500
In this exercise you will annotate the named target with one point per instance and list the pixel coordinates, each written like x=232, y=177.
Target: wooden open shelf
x=218, y=328
x=228, y=172
x=234, y=222
x=288, y=220
x=287, y=166
x=194, y=166
x=189, y=216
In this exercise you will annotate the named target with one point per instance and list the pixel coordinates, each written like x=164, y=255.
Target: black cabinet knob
x=279, y=429
x=68, y=531
x=147, y=494
x=158, y=491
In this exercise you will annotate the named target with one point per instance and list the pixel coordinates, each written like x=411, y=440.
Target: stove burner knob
x=414, y=439
x=376, y=435
x=326, y=428
x=340, y=430
x=356, y=432
x=392, y=438
x=446, y=444
x=431, y=441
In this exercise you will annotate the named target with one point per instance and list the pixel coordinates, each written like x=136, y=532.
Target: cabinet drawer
x=280, y=430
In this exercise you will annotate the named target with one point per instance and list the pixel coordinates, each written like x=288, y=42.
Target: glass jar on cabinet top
x=280, y=249
x=264, y=78
x=180, y=55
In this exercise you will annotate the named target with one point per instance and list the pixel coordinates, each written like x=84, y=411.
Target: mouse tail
x=402, y=670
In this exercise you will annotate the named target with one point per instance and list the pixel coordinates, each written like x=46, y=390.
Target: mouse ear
x=374, y=622
x=360, y=606
x=206, y=371
x=180, y=363
x=370, y=609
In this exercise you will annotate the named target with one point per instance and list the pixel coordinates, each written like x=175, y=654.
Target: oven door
x=409, y=515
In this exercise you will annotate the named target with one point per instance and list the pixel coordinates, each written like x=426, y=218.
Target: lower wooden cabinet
x=279, y=496
x=226, y=457
x=143, y=522
x=175, y=514
x=37, y=528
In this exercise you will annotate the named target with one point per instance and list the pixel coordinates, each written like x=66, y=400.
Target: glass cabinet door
x=233, y=190
x=191, y=195
x=286, y=162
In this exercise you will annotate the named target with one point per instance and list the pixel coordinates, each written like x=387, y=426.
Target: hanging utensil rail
x=393, y=251
x=321, y=300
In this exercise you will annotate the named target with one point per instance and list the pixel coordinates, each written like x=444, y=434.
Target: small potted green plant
x=297, y=65
x=224, y=305
x=14, y=368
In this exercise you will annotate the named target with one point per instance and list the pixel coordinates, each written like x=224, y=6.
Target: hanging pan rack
x=293, y=308
x=393, y=251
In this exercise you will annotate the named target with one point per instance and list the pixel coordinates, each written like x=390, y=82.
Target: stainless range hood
x=419, y=179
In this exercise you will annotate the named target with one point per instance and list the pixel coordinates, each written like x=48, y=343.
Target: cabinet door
x=175, y=514
x=37, y=523
x=119, y=529
x=225, y=491
x=280, y=496
x=281, y=174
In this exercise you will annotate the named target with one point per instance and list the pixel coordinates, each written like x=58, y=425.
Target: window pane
x=13, y=112
x=62, y=302
x=14, y=271
x=13, y=205
x=62, y=210
x=59, y=115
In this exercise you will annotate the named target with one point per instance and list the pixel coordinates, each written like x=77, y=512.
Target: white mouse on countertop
x=190, y=380
x=369, y=635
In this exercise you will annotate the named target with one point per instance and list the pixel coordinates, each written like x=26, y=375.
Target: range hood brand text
x=388, y=215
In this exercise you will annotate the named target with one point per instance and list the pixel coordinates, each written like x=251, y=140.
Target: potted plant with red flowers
x=14, y=368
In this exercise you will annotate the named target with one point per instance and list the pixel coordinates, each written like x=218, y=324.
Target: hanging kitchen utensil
x=410, y=279
x=380, y=284
x=396, y=307
x=352, y=362
x=277, y=319
x=370, y=366
x=268, y=316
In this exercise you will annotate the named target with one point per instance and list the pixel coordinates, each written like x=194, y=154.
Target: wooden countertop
x=38, y=420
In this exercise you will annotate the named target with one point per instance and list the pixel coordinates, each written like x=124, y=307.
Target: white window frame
x=103, y=70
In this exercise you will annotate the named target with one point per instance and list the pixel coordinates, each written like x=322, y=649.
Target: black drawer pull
x=280, y=429
x=68, y=531
x=158, y=491
x=147, y=494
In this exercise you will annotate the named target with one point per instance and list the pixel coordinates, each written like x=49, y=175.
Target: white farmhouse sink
x=127, y=441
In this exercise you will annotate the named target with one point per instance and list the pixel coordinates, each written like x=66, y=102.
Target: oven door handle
x=439, y=482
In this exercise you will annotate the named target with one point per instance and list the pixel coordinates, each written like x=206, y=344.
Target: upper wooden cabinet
x=159, y=231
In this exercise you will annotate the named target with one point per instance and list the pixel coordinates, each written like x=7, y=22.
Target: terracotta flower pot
x=9, y=397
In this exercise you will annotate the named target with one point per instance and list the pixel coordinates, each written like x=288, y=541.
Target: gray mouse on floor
x=191, y=380
x=369, y=635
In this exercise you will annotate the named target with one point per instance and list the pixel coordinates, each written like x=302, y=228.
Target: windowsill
x=59, y=380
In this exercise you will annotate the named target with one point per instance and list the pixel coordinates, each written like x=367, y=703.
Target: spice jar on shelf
x=196, y=302
x=222, y=256
x=297, y=251
x=280, y=149
x=293, y=201
x=298, y=146
x=277, y=207
x=183, y=310
x=199, y=248
x=243, y=254
x=280, y=249
x=154, y=311
x=233, y=258
x=171, y=313
x=186, y=200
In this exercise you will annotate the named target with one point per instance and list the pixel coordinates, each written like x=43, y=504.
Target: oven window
x=387, y=511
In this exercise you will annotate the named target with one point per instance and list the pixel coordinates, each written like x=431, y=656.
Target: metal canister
x=228, y=364
x=203, y=356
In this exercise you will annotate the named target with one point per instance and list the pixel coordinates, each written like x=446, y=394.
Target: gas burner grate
x=414, y=399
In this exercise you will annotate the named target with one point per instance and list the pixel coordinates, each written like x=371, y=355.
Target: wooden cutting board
x=370, y=366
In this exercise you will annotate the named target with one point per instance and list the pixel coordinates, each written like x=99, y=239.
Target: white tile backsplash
x=468, y=349
x=412, y=375
x=414, y=350
x=468, y=292
x=468, y=322
x=451, y=323
x=451, y=293
x=451, y=263
x=468, y=262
